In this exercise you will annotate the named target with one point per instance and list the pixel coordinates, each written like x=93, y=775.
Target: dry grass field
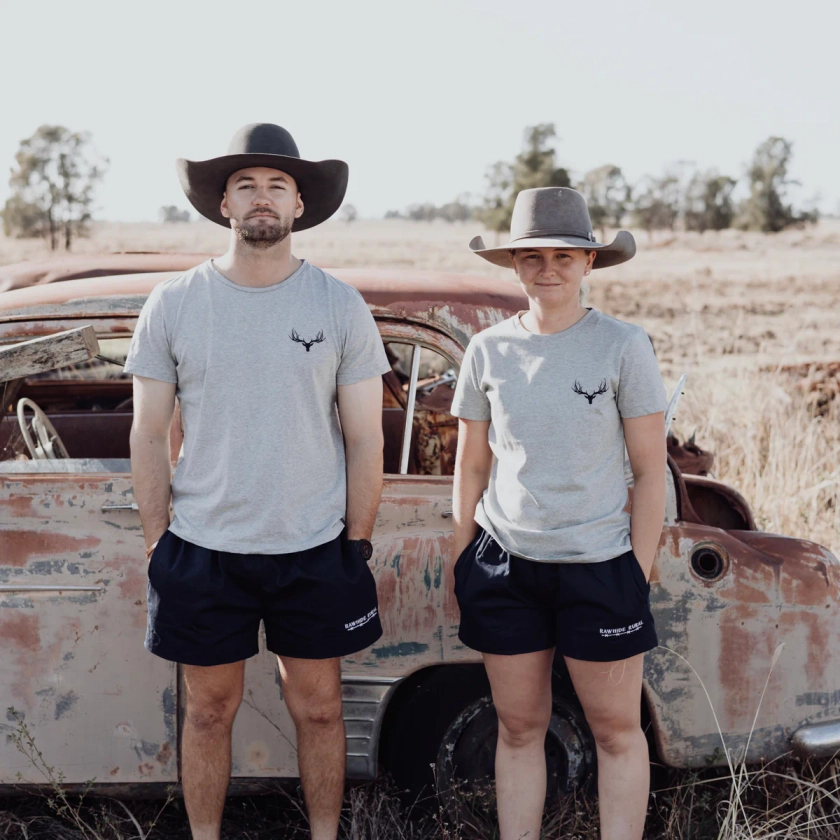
x=754, y=321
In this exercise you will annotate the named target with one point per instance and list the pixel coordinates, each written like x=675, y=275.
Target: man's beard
x=262, y=233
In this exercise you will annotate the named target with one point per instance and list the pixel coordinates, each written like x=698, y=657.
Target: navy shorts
x=205, y=607
x=597, y=612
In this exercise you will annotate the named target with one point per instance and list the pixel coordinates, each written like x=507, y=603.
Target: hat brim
x=621, y=249
x=322, y=184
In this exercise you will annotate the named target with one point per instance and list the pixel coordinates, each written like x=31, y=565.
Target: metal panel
x=364, y=700
x=72, y=620
x=772, y=591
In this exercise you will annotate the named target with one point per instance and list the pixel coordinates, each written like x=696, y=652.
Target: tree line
x=58, y=170
x=683, y=196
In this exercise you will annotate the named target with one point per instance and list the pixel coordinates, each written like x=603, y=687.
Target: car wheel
x=418, y=719
x=467, y=753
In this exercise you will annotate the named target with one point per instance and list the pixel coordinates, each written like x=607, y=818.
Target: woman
x=548, y=556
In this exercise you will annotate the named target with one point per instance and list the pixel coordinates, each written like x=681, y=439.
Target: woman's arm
x=645, y=440
x=473, y=463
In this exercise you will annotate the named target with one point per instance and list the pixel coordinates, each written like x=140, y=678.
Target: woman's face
x=551, y=275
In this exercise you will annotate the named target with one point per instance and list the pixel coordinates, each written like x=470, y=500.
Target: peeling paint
x=401, y=649
x=65, y=704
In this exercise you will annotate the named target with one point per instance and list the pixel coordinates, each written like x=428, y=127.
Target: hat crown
x=263, y=139
x=550, y=211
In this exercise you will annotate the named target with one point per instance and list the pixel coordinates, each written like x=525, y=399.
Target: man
x=277, y=368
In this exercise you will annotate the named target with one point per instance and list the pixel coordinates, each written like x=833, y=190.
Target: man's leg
x=213, y=697
x=611, y=696
x=521, y=686
x=312, y=689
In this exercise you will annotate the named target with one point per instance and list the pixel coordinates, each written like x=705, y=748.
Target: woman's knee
x=617, y=737
x=520, y=728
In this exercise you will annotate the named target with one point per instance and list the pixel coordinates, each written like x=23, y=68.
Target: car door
x=412, y=558
x=73, y=609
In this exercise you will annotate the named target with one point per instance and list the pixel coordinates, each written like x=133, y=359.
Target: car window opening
x=430, y=449
x=90, y=405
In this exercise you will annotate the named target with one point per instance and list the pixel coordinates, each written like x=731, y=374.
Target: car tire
x=466, y=753
x=416, y=722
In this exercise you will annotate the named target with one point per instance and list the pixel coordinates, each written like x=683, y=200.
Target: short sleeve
x=150, y=353
x=640, y=388
x=363, y=356
x=470, y=401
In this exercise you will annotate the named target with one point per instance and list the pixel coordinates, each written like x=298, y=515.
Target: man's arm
x=645, y=440
x=360, y=412
x=154, y=405
x=473, y=465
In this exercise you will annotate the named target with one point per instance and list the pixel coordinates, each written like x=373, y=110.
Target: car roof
x=75, y=266
x=458, y=304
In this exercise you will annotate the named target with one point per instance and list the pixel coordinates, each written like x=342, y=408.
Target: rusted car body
x=73, y=580
x=78, y=266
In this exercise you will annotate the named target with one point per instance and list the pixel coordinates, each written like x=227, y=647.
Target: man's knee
x=324, y=712
x=321, y=710
x=522, y=728
x=212, y=711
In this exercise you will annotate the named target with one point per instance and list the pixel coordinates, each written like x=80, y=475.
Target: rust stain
x=257, y=754
x=115, y=771
x=132, y=588
x=18, y=506
x=164, y=753
x=21, y=630
x=17, y=546
x=146, y=769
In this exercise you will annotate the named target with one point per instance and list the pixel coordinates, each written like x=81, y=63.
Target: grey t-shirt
x=555, y=404
x=262, y=468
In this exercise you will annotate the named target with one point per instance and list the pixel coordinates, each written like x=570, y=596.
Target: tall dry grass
x=773, y=446
x=778, y=802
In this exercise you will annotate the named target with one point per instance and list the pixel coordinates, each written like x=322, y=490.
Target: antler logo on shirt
x=602, y=389
x=307, y=344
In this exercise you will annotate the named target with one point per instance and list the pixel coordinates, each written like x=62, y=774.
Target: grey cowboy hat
x=555, y=217
x=321, y=184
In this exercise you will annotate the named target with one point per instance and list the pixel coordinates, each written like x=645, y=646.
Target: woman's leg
x=521, y=686
x=611, y=696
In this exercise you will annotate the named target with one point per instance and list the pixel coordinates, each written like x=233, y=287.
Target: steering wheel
x=49, y=445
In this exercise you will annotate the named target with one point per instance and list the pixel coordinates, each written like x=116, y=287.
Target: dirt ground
x=732, y=310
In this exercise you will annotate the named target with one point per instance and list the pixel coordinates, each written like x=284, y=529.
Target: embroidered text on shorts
x=621, y=631
x=353, y=625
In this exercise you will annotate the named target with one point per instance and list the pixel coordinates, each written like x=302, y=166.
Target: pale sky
x=420, y=98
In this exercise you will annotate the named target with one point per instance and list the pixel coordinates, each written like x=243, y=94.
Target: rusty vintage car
x=73, y=584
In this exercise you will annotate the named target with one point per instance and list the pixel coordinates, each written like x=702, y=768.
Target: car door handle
x=446, y=514
x=132, y=506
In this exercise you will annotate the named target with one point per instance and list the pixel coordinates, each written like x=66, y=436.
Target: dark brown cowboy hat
x=321, y=184
x=555, y=217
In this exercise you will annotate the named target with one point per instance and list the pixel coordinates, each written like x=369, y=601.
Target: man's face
x=552, y=274
x=262, y=205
